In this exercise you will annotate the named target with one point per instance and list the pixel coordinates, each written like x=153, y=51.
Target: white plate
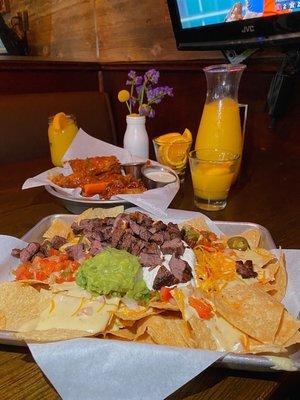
x=77, y=206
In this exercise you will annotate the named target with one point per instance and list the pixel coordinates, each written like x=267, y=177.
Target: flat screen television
x=234, y=24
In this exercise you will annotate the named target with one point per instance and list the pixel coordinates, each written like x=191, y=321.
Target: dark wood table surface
x=267, y=193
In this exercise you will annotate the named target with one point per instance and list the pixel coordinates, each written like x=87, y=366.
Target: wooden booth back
x=31, y=91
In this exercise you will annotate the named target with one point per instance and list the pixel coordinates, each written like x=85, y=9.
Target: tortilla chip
x=201, y=334
x=124, y=333
x=252, y=236
x=252, y=311
x=145, y=338
x=134, y=314
x=91, y=213
x=19, y=304
x=280, y=283
x=198, y=223
x=293, y=340
x=58, y=227
x=51, y=335
x=256, y=347
x=288, y=327
x=169, y=331
x=2, y=320
x=162, y=305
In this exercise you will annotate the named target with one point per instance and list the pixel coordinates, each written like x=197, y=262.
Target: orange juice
x=212, y=172
x=212, y=182
x=220, y=126
x=61, y=132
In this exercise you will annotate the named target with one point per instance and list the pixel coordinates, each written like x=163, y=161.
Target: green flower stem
x=129, y=108
x=142, y=94
x=131, y=93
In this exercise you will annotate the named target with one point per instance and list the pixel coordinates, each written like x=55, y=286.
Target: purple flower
x=146, y=110
x=138, y=89
x=134, y=79
x=132, y=101
x=156, y=95
x=131, y=75
x=151, y=76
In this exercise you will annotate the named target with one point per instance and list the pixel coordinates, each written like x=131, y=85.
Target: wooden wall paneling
x=60, y=29
x=131, y=30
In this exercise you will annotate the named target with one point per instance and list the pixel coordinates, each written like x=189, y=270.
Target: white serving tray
x=246, y=362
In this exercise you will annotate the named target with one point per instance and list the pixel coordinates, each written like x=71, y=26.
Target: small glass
x=60, y=137
x=213, y=171
x=173, y=154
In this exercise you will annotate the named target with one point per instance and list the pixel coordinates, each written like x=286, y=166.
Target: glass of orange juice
x=172, y=149
x=213, y=171
x=61, y=132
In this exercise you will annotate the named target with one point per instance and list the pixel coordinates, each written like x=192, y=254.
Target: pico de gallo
x=57, y=267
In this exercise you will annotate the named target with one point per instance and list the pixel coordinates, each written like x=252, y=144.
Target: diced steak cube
x=76, y=228
x=58, y=241
x=173, y=231
x=174, y=246
x=180, y=269
x=157, y=226
x=152, y=248
x=141, y=219
x=16, y=253
x=158, y=238
x=45, y=247
x=29, y=251
x=245, y=269
x=164, y=278
x=76, y=252
x=137, y=246
x=126, y=242
x=96, y=247
x=150, y=260
x=106, y=233
x=118, y=230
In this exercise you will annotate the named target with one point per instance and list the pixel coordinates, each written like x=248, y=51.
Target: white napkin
x=155, y=201
x=94, y=369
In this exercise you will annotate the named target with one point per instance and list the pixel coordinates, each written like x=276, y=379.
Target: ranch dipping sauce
x=160, y=176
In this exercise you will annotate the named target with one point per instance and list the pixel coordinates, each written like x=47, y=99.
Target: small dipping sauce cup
x=213, y=171
x=134, y=169
x=155, y=176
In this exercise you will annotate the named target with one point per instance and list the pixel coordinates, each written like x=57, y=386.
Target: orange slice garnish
x=60, y=121
x=167, y=137
x=175, y=153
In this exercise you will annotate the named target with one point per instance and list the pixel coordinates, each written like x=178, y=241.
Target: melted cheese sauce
x=77, y=313
x=282, y=363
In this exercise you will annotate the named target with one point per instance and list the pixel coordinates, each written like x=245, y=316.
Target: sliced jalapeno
x=238, y=243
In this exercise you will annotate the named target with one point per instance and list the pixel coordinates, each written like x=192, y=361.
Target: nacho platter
x=234, y=361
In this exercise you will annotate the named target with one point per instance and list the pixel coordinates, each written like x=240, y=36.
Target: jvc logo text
x=248, y=29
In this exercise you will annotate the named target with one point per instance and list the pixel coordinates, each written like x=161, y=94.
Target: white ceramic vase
x=136, y=138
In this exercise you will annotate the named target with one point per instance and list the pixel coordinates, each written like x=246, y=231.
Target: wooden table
x=267, y=193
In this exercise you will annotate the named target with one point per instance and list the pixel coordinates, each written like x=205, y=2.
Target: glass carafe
x=220, y=125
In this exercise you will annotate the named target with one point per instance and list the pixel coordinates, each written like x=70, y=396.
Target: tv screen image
x=200, y=13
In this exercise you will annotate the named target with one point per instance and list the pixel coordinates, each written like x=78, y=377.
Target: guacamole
x=113, y=272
